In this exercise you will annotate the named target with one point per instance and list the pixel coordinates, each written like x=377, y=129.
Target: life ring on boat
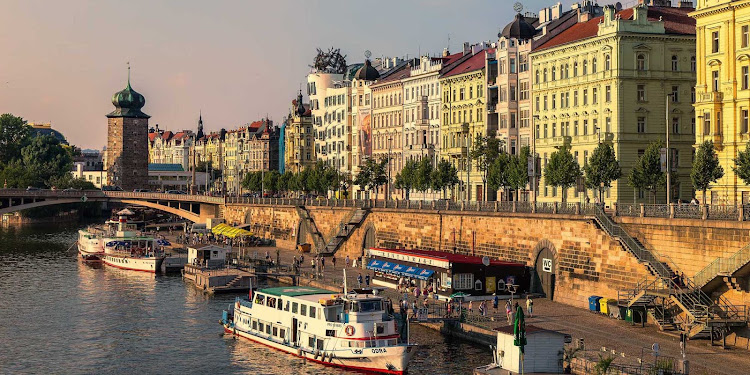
x=349, y=330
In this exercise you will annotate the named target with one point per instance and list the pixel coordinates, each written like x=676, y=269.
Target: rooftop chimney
x=467, y=48
x=446, y=52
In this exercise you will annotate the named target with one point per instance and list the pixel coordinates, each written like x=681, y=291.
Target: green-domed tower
x=127, y=141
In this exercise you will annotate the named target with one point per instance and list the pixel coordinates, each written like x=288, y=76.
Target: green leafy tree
x=15, y=134
x=15, y=175
x=44, y=158
x=706, y=169
x=423, y=177
x=372, y=174
x=305, y=181
x=602, y=168
x=647, y=174
x=444, y=177
x=405, y=180
x=252, y=181
x=67, y=181
x=498, y=174
x=742, y=164
x=484, y=152
x=562, y=170
x=209, y=167
x=271, y=180
x=518, y=171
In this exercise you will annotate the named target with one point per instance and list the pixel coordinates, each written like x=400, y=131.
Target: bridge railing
x=718, y=212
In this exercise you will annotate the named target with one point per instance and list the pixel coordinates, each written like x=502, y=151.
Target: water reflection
x=60, y=315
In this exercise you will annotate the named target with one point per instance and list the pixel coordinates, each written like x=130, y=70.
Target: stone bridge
x=196, y=208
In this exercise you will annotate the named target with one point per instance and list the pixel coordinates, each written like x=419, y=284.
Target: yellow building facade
x=723, y=89
x=463, y=112
x=607, y=80
x=299, y=139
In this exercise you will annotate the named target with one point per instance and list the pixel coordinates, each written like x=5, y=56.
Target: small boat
x=349, y=331
x=127, y=249
x=90, y=245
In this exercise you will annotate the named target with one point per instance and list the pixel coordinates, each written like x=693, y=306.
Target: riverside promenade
x=598, y=331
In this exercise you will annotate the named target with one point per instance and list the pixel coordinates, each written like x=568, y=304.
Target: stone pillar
x=614, y=206
x=420, y=205
x=514, y=206
x=643, y=210
x=671, y=210
x=578, y=208
x=462, y=205
x=479, y=206
x=704, y=212
x=497, y=206
x=554, y=208
x=533, y=207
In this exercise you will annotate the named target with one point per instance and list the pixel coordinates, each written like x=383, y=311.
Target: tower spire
x=128, y=73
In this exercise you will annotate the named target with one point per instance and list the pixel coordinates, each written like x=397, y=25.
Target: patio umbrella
x=519, y=332
x=459, y=295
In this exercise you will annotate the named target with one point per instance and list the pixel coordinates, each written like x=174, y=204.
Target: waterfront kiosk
x=448, y=273
x=209, y=255
x=542, y=353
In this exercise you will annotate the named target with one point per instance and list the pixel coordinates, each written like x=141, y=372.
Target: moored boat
x=128, y=249
x=90, y=245
x=350, y=331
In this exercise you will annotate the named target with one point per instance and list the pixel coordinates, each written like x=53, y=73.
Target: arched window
x=536, y=76
x=674, y=63
x=545, y=74
x=575, y=69
x=607, y=62
x=692, y=64
x=585, y=67
x=640, y=62
x=593, y=65
x=553, y=73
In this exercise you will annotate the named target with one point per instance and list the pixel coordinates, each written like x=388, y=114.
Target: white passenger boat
x=126, y=248
x=352, y=331
x=90, y=244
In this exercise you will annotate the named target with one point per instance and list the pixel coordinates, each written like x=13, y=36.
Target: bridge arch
x=368, y=239
x=51, y=202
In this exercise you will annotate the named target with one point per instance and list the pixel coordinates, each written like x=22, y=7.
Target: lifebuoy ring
x=349, y=330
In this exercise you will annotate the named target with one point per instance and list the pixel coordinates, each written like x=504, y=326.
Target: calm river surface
x=58, y=315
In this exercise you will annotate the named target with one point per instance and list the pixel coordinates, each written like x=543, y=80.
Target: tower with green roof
x=127, y=140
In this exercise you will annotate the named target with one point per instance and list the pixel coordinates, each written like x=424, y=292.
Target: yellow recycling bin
x=603, y=308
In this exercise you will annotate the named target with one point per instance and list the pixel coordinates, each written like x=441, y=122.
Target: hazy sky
x=61, y=61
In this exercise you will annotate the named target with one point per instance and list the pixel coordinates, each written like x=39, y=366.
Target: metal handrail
x=722, y=265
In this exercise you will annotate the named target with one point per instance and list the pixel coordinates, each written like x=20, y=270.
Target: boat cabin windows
x=365, y=306
x=333, y=313
x=311, y=342
x=312, y=311
x=282, y=333
x=271, y=302
x=286, y=306
x=321, y=344
x=330, y=332
x=294, y=307
x=261, y=327
x=255, y=325
x=280, y=303
x=268, y=329
x=303, y=310
x=260, y=299
x=275, y=331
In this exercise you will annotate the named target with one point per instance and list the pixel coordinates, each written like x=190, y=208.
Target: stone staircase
x=355, y=218
x=725, y=271
x=309, y=224
x=672, y=300
x=232, y=283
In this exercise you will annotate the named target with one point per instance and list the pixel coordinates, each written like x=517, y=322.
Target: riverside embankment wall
x=587, y=261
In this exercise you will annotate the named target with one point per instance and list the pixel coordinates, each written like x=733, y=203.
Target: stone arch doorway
x=368, y=240
x=545, y=269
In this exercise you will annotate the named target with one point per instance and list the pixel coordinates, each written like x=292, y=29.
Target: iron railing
x=722, y=266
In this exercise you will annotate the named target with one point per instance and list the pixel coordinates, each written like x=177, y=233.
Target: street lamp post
x=388, y=193
x=669, y=166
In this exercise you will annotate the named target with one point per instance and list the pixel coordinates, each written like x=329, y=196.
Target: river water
x=59, y=315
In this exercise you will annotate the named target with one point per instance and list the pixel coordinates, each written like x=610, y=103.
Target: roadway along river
x=58, y=315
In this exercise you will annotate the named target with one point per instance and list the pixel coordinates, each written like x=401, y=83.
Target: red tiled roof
x=401, y=73
x=167, y=135
x=676, y=21
x=151, y=136
x=475, y=62
x=451, y=257
x=451, y=58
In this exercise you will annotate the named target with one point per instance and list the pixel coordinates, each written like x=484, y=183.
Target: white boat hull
x=90, y=248
x=390, y=360
x=151, y=264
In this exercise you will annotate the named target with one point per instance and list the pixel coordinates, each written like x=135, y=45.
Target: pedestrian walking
x=367, y=280
x=508, y=312
x=359, y=280
x=426, y=303
x=333, y=261
x=495, y=301
x=416, y=293
x=529, y=306
x=347, y=261
x=354, y=263
x=471, y=307
x=322, y=264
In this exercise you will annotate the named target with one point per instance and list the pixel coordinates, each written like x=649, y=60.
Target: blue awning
x=399, y=269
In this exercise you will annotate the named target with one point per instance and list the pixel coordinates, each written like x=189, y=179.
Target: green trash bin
x=637, y=315
x=624, y=312
x=628, y=314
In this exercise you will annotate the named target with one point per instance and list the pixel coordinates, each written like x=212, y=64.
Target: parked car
x=111, y=188
x=33, y=188
x=141, y=191
x=175, y=192
x=71, y=189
